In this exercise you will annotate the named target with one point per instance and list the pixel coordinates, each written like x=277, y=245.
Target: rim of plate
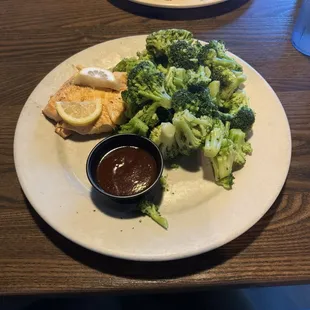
x=172, y=5
x=166, y=257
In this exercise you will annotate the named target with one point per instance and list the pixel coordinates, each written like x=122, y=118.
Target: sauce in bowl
x=126, y=171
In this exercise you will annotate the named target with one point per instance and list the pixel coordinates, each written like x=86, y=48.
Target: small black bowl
x=113, y=142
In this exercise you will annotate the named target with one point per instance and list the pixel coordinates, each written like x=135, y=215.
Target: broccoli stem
x=214, y=88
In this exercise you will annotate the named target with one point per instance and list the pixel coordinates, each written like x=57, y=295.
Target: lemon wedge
x=96, y=78
x=79, y=113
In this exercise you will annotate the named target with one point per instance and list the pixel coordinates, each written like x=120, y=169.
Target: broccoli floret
x=214, y=139
x=148, y=115
x=176, y=79
x=230, y=80
x=222, y=164
x=179, y=78
x=131, y=107
x=164, y=137
x=214, y=54
x=190, y=131
x=207, y=106
x=243, y=119
x=145, y=84
x=214, y=88
x=126, y=64
x=143, y=120
x=150, y=209
x=164, y=183
x=197, y=100
x=184, y=54
x=158, y=43
x=185, y=100
x=134, y=126
x=242, y=148
x=200, y=77
x=237, y=100
x=145, y=55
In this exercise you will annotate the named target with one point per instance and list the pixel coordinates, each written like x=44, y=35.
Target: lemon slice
x=96, y=78
x=79, y=113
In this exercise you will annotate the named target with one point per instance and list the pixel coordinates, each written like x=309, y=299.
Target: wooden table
x=36, y=36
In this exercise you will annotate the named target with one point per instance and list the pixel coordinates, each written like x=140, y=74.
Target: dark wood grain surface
x=38, y=35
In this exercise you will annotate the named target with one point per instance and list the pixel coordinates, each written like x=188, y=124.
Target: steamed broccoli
x=145, y=84
x=184, y=54
x=150, y=209
x=147, y=116
x=243, y=119
x=214, y=139
x=222, y=164
x=242, y=148
x=176, y=78
x=214, y=54
x=237, y=100
x=214, y=88
x=135, y=126
x=179, y=78
x=197, y=100
x=185, y=100
x=145, y=55
x=158, y=43
x=164, y=137
x=200, y=77
x=131, y=107
x=190, y=131
x=126, y=64
x=230, y=80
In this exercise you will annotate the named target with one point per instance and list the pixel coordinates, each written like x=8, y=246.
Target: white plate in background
x=178, y=4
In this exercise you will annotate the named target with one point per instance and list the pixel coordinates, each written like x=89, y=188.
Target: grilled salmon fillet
x=112, y=107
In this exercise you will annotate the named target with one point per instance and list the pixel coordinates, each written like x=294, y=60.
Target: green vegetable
x=134, y=126
x=187, y=96
x=179, y=78
x=190, y=131
x=214, y=54
x=164, y=184
x=126, y=64
x=237, y=100
x=176, y=79
x=243, y=119
x=201, y=77
x=146, y=83
x=242, y=148
x=230, y=80
x=144, y=119
x=164, y=137
x=198, y=101
x=222, y=164
x=158, y=43
x=214, y=88
x=150, y=209
x=215, y=138
x=184, y=54
x=175, y=166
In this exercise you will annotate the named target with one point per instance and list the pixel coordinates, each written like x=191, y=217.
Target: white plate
x=202, y=216
x=178, y=4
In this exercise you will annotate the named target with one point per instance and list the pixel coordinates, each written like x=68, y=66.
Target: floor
x=273, y=298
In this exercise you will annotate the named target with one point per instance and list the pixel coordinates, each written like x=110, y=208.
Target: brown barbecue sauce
x=126, y=171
